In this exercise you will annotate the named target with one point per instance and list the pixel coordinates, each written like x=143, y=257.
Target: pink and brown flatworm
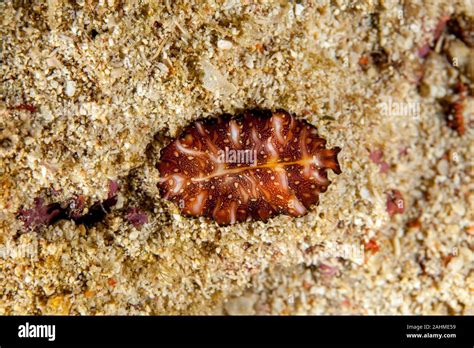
x=249, y=167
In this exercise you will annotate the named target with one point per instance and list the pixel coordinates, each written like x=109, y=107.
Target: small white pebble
x=299, y=9
x=140, y=91
x=458, y=208
x=70, y=88
x=365, y=193
x=224, y=44
x=443, y=167
x=249, y=62
x=456, y=264
x=163, y=68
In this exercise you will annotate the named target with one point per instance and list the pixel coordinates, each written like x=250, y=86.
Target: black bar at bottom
x=426, y=330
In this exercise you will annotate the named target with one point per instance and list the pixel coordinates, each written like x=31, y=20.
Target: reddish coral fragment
x=137, y=217
x=250, y=167
x=440, y=27
x=372, y=246
x=455, y=118
x=384, y=167
x=461, y=89
x=28, y=107
x=113, y=189
x=306, y=285
x=363, y=60
x=403, y=151
x=346, y=302
x=424, y=50
x=40, y=214
x=455, y=109
x=259, y=47
x=71, y=209
x=414, y=223
x=395, y=203
x=376, y=157
x=328, y=270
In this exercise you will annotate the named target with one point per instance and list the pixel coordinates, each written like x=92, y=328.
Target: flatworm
x=248, y=167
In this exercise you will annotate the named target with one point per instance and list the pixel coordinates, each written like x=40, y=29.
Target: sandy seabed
x=91, y=91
